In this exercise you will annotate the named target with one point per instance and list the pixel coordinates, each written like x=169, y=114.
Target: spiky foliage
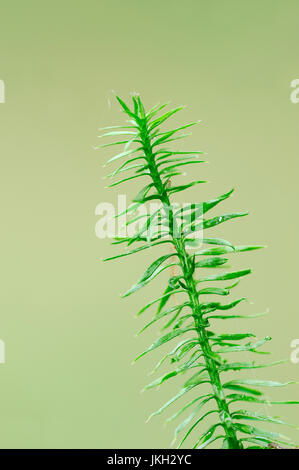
x=200, y=352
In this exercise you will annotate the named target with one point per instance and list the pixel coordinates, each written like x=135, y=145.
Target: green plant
x=200, y=351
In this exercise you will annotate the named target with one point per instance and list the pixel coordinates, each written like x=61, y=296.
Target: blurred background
x=68, y=379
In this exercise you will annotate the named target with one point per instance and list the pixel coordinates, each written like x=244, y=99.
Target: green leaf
x=208, y=442
x=242, y=248
x=223, y=218
x=152, y=221
x=235, y=397
x=182, y=392
x=174, y=317
x=248, y=415
x=215, y=251
x=126, y=109
x=227, y=249
x=119, y=142
x=123, y=167
x=181, y=370
x=229, y=317
x=136, y=250
x=232, y=337
x=171, y=167
x=247, y=365
x=122, y=154
x=191, y=124
x=182, y=348
x=204, y=399
x=164, y=136
x=176, y=308
x=197, y=379
x=216, y=241
x=138, y=105
x=245, y=347
x=174, y=139
x=154, y=266
x=209, y=223
x=207, y=437
x=176, y=189
x=154, y=269
x=165, y=160
x=259, y=433
x=208, y=205
x=155, y=109
x=114, y=133
x=164, y=339
x=158, y=121
x=164, y=378
x=269, y=442
x=212, y=306
x=124, y=180
x=211, y=262
x=258, y=383
x=226, y=276
x=107, y=128
x=234, y=385
x=213, y=291
x=164, y=299
x=139, y=198
x=192, y=427
x=167, y=294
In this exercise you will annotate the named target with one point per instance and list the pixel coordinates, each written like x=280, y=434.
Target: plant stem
x=187, y=271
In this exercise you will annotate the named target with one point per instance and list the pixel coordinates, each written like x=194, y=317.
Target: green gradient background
x=67, y=381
